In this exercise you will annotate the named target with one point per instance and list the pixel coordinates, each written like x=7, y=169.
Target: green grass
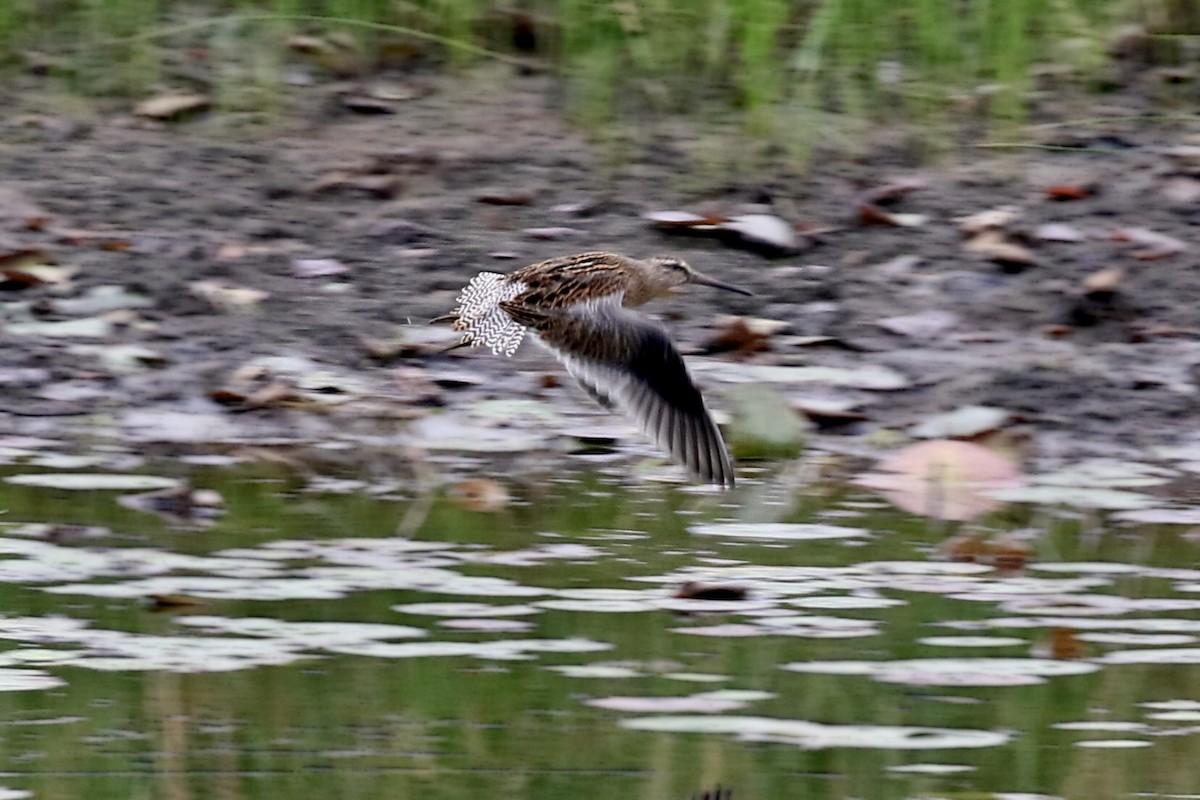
x=780, y=67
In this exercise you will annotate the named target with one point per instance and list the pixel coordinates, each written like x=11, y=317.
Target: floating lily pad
x=93, y=481
x=705, y=703
x=466, y=610
x=596, y=671
x=814, y=735
x=1114, y=744
x=973, y=641
x=847, y=602
x=311, y=634
x=1172, y=705
x=1138, y=639
x=777, y=530
x=26, y=680
x=1160, y=516
x=951, y=671
x=1175, y=716
x=1104, y=473
x=1078, y=497
x=1107, y=726
x=1183, y=655
x=932, y=769
x=489, y=625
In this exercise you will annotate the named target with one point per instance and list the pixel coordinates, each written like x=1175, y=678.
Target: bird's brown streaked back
x=576, y=306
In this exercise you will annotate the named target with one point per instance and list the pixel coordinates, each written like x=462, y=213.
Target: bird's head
x=667, y=272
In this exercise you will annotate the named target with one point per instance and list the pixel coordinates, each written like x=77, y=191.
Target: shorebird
x=577, y=306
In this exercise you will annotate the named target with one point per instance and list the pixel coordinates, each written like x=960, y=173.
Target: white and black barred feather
x=480, y=317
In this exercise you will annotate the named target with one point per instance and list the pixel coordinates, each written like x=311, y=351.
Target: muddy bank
x=487, y=175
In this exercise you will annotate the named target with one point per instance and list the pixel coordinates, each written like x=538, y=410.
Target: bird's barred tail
x=480, y=317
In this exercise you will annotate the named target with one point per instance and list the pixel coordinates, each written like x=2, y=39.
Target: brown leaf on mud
x=892, y=192
x=380, y=186
x=506, y=197
x=481, y=494
x=239, y=396
x=1182, y=190
x=111, y=241
x=996, y=246
x=1155, y=245
x=829, y=412
x=765, y=231
x=668, y=220
x=743, y=336
x=871, y=214
x=1058, y=232
x=36, y=275
x=552, y=234
x=977, y=223
x=365, y=104
x=922, y=325
x=1103, y=282
x=172, y=106
x=227, y=296
x=1064, y=191
x=19, y=269
x=18, y=211
x=943, y=479
x=231, y=251
x=317, y=267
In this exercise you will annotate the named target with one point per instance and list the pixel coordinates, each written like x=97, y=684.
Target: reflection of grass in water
x=778, y=63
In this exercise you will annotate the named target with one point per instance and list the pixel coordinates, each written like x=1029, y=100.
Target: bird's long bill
x=704, y=280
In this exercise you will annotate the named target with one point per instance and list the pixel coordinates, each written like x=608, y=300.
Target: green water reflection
x=453, y=727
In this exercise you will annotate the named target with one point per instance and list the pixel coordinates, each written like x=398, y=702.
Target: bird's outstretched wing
x=627, y=359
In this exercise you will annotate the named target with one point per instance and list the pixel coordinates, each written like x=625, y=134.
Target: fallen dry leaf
x=1067, y=192
x=943, y=479
x=922, y=325
x=1058, y=232
x=995, y=245
x=743, y=336
x=172, y=106
x=764, y=230
x=506, y=197
x=23, y=257
x=227, y=296
x=894, y=191
x=551, y=234
x=366, y=104
x=1104, y=282
x=979, y=222
x=1156, y=245
x=681, y=219
x=317, y=267
x=1182, y=190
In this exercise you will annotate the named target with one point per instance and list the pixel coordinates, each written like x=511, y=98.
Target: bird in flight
x=578, y=307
